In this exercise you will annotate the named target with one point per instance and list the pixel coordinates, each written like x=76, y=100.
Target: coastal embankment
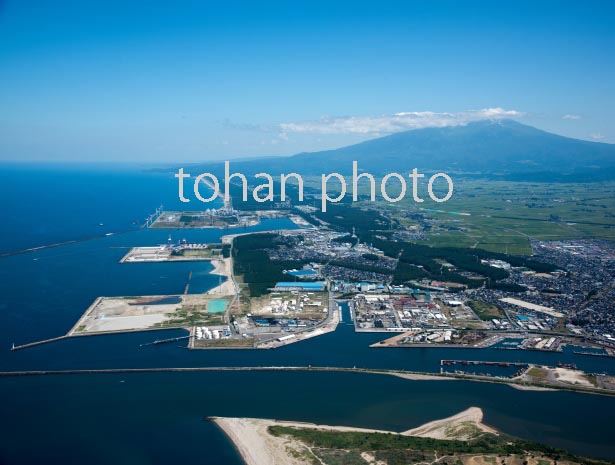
x=410, y=375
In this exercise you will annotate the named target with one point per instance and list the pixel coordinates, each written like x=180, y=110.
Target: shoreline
x=256, y=446
x=223, y=267
x=523, y=387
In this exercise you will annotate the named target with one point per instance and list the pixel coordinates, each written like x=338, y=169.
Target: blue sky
x=188, y=81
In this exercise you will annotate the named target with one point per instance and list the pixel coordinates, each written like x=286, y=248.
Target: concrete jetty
x=410, y=375
x=38, y=343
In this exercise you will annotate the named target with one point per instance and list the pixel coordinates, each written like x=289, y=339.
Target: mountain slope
x=486, y=146
x=504, y=148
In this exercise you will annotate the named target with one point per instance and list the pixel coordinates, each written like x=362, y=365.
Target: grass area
x=200, y=253
x=366, y=441
x=466, y=429
x=537, y=373
x=192, y=315
x=340, y=457
x=486, y=311
x=189, y=220
x=395, y=449
x=504, y=215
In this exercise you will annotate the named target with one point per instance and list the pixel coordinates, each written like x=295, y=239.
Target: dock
x=465, y=364
x=165, y=341
x=188, y=283
x=480, y=362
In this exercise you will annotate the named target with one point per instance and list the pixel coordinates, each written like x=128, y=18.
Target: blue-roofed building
x=317, y=286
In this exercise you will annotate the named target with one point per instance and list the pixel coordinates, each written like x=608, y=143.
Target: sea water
x=159, y=417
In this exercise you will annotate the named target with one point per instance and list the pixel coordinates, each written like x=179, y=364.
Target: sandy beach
x=257, y=447
x=223, y=267
x=255, y=444
x=446, y=428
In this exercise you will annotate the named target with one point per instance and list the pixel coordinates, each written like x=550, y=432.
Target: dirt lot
x=117, y=314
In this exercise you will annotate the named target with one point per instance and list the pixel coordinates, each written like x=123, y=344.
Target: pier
x=165, y=341
x=592, y=354
x=188, y=283
x=480, y=362
x=466, y=364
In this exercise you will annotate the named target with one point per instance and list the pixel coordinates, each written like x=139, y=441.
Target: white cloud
x=387, y=124
x=596, y=136
x=569, y=116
